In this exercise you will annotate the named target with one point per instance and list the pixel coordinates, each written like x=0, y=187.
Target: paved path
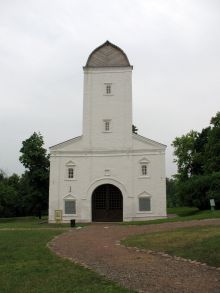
x=97, y=247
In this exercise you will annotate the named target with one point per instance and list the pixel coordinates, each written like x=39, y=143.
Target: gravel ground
x=97, y=246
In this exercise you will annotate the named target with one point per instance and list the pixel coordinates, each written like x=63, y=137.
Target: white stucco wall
x=98, y=106
x=124, y=172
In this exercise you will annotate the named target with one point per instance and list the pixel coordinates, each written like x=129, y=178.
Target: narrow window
x=107, y=125
x=108, y=88
x=144, y=170
x=70, y=207
x=144, y=204
x=70, y=173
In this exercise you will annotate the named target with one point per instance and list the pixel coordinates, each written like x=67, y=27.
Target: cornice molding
x=106, y=153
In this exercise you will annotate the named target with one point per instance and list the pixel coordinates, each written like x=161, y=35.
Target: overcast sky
x=173, y=45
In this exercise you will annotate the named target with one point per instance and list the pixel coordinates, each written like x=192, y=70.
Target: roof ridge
x=68, y=140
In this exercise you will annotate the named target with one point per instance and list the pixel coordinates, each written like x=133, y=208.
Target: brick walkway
x=98, y=247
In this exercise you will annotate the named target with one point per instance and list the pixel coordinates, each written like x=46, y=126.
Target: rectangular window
x=108, y=88
x=107, y=125
x=144, y=170
x=70, y=207
x=144, y=204
x=70, y=173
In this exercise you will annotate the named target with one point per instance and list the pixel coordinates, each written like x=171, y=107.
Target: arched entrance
x=107, y=204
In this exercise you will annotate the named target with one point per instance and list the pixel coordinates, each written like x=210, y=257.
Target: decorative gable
x=69, y=197
x=144, y=194
x=144, y=161
x=70, y=164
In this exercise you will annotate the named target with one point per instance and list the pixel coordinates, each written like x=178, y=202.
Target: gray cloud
x=173, y=45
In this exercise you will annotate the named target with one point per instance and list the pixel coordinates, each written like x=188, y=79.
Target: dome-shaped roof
x=107, y=55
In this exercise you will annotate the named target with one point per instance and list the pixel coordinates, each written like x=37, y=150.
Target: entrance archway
x=107, y=204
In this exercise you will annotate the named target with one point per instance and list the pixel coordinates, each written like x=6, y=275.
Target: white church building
x=108, y=173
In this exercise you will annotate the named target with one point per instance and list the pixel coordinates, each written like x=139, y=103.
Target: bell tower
x=108, y=173
x=107, y=104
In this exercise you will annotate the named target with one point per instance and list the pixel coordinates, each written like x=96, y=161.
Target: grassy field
x=28, y=266
x=197, y=243
x=183, y=214
x=183, y=211
x=30, y=222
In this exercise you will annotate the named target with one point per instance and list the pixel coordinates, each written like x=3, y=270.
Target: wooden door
x=107, y=204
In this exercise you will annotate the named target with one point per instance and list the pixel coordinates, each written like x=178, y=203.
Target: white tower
x=108, y=173
x=107, y=116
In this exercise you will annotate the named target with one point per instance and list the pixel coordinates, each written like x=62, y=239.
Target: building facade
x=108, y=173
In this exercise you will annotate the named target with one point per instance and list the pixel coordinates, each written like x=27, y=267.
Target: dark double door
x=107, y=204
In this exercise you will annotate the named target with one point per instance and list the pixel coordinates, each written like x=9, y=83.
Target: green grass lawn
x=28, y=266
x=30, y=222
x=183, y=216
x=183, y=211
x=197, y=243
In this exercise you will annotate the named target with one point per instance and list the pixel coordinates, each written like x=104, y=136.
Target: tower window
x=108, y=88
x=107, y=125
x=70, y=173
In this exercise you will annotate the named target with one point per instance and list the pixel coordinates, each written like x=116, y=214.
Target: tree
x=8, y=200
x=172, y=200
x=9, y=196
x=199, y=189
x=199, y=152
x=198, y=160
x=36, y=160
x=212, y=147
x=215, y=121
x=2, y=175
x=184, y=152
x=134, y=129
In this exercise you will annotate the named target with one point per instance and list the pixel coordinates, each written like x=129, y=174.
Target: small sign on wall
x=58, y=216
